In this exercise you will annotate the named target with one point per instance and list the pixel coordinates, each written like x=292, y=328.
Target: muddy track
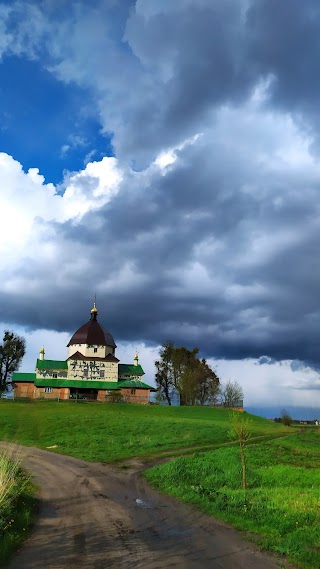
x=96, y=516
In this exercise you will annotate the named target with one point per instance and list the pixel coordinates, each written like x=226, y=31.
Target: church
x=91, y=371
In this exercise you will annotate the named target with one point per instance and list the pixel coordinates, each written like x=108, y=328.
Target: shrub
x=286, y=419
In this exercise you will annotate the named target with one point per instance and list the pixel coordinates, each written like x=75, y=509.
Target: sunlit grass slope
x=281, y=504
x=108, y=432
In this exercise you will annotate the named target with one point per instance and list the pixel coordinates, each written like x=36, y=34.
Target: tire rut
x=96, y=516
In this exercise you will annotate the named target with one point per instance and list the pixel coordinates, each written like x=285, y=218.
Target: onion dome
x=93, y=333
x=94, y=310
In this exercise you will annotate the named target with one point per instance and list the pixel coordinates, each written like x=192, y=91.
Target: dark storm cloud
x=178, y=256
x=284, y=41
x=215, y=53
x=297, y=365
x=265, y=360
x=196, y=68
x=220, y=251
x=158, y=71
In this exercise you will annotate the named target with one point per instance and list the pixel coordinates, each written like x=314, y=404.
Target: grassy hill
x=279, y=509
x=111, y=432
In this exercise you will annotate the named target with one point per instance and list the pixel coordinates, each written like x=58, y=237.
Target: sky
x=165, y=157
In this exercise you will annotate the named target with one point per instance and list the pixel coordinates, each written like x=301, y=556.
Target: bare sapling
x=240, y=429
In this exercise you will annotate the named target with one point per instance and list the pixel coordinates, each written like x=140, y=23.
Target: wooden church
x=90, y=372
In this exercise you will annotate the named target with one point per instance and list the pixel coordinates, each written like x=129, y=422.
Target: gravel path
x=96, y=516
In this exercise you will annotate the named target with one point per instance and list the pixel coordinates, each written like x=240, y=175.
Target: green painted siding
x=81, y=383
x=52, y=382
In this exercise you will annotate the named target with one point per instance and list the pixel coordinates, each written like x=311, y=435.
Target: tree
x=12, y=351
x=286, y=419
x=240, y=429
x=207, y=384
x=179, y=368
x=231, y=394
x=164, y=375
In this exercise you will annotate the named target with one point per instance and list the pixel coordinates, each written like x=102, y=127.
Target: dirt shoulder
x=97, y=516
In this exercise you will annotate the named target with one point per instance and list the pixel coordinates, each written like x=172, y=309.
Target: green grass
x=17, y=505
x=280, y=508
x=110, y=432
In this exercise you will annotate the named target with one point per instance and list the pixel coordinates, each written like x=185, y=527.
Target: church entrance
x=83, y=394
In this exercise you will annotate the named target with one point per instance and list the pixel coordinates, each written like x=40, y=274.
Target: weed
x=16, y=503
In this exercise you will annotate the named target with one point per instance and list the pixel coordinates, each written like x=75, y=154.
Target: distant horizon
x=297, y=413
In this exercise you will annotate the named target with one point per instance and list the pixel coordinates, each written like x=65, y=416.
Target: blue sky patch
x=46, y=124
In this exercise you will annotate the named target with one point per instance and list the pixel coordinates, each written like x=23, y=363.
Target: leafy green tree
x=187, y=385
x=207, y=385
x=164, y=373
x=181, y=369
x=185, y=367
x=12, y=350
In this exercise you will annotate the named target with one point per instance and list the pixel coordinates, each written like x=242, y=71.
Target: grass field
x=110, y=432
x=280, y=509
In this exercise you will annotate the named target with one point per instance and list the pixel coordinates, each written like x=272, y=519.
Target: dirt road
x=94, y=516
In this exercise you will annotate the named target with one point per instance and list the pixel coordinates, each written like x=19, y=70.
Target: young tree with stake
x=240, y=429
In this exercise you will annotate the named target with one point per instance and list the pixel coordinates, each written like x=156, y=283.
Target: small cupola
x=41, y=354
x=136, y=359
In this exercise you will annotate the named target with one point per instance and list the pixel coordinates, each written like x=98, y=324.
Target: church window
x=55, y=375
x=133, y=391
x=95, y=350
x=48, y=389
x=85, y=372
x=101, y=373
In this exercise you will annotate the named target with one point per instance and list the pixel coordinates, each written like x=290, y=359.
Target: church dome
x=93, y=333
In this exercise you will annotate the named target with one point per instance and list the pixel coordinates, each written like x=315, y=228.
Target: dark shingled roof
x=110, y=358
x=76, y=356
x=94, y=334
x=79, y=356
